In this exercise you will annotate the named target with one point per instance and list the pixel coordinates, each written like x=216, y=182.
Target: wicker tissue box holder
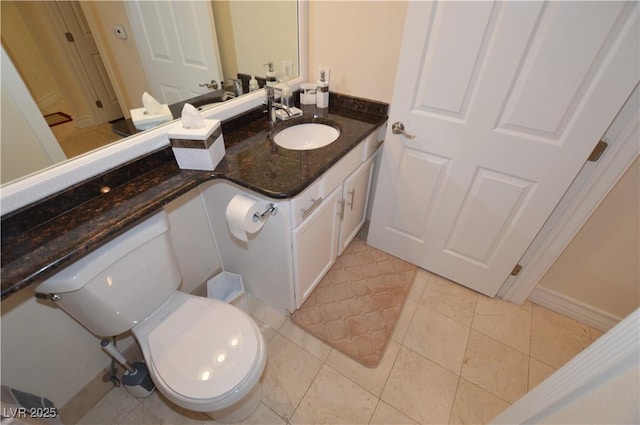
x=198, y=149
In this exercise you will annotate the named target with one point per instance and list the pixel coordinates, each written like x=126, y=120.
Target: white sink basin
x=306, y=136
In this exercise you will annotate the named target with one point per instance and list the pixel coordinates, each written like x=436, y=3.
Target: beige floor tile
x=77, y=141
x=402, y=325
x=166, y=412
x=289, y=373
x=113, y=408
x=448, y=298
x=263, y=416
x=419, y=283
x=265, y=314
x=556, y=339
x=139, y=416
x=371, y=379
x=420, y=389
x=504, y=321
x=387, y=415
x=305, y=340
x=495, y=367
x=267, y=331
x=438, y=338
x=473, y=405
x=334, y=399
x=538, y=372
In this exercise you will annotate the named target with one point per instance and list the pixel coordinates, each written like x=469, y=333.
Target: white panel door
x=506, y=101
x=178, y=45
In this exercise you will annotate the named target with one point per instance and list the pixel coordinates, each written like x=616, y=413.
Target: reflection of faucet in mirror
x=235, y=89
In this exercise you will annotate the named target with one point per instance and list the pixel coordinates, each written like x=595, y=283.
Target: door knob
x=398, y=128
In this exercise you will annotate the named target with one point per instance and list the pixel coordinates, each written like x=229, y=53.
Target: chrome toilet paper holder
x=271, y=209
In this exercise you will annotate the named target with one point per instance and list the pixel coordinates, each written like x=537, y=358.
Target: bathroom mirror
x=243, y=29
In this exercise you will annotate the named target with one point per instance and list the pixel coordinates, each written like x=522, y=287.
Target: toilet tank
x=118, y=285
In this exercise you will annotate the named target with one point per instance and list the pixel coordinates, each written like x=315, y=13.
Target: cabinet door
x=314, y=245
x=355, y=194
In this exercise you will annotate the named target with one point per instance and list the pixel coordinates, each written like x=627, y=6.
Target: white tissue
x=239, y=214
x=191, y=117
x=151, y=106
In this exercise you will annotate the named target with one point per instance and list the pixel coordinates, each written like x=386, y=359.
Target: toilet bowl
x=200, y=367
x=202, y=354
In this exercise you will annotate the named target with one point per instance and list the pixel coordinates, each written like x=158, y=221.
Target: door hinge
x=99, y=104
x=69, y=37
x=598, y=151
x=516, y=270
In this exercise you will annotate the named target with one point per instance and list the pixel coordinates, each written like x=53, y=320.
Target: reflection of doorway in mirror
x=61, y=76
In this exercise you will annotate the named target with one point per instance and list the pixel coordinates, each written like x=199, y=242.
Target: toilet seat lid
x=204, y=348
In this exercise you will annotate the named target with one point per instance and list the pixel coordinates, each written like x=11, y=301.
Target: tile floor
x=76, y=141
x=455, y=357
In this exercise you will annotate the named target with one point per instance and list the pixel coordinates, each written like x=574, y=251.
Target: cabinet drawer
x=341, y=170
x=303, y=204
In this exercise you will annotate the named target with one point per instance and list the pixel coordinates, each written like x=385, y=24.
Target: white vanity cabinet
x=325, y=227
x=284, y=261
x=315, y=244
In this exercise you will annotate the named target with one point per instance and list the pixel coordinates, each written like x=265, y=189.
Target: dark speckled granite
x=44, y=237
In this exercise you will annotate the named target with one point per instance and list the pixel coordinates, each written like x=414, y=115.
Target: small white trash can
x=228, y=287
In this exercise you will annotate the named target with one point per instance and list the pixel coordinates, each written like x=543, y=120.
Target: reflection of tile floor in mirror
x=76, y=141
x=455, y=357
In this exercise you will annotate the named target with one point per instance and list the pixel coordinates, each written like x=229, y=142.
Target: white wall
x=360, y=42
x=601, y=265
x=256, y=24
x=25, y=54
x=47, y=353
x=18, y=141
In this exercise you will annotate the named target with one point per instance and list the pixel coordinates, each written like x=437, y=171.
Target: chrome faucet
x=272, y=105
x=237, y=86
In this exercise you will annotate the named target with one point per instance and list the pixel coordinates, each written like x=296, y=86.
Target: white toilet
x=202, y=354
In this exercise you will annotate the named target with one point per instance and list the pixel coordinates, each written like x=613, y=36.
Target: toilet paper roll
x=239, y=213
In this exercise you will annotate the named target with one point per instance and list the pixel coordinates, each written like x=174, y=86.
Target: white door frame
x=585, y=194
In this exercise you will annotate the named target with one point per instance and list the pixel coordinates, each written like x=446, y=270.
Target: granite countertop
x=44, y=237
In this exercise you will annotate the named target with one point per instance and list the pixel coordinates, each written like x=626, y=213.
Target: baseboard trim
x=574, y=309
x=49, y=100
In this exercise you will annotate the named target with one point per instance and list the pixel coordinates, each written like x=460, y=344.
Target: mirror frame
x=34, y=187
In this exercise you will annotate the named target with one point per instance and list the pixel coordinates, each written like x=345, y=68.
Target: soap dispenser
x=286, y=98
x=322, y=95
x=253, y=84
x=271, y=74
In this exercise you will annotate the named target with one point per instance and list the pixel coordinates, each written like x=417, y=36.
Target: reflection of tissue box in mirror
x=144, y=121
x=197, y=149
